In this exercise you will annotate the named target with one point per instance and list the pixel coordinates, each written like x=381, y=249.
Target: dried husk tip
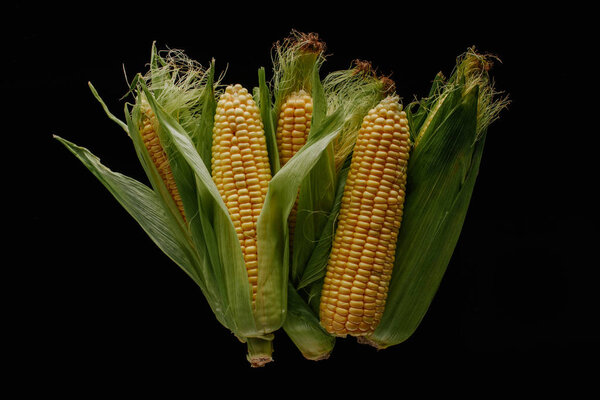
x=472, y=70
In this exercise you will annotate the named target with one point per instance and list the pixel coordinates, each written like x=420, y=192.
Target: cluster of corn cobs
x=314, y=205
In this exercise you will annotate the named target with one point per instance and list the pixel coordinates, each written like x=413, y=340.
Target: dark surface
x=97, y=303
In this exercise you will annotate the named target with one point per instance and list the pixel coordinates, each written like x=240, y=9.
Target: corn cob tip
x=293, y=124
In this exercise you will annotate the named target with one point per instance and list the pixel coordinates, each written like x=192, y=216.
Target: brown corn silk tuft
x=310, y=43
x=363, y=67
x=362, y=256
x=240, y=168
x=388, y=84
x=149, y=132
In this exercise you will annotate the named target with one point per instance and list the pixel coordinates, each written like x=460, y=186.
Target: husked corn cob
x=362, y=257
x=149, y=132
x=293, y=127
x=240, y=168
x=293, y=124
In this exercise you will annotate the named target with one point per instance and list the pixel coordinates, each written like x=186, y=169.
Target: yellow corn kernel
x=292, y=132
x=240, y=168
x=363, y=251
x=149, y=131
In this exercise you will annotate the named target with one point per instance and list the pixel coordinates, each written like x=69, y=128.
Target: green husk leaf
x=303, y=328
x=319, y=98
x=441, y=176
x=442, y=172
x=110, y=115
x=417, y=118
x=438, y=168
x=177, y=81
x=199, y=224
x=204, y=251
x=146, y=207
x=203, y=137
x=317, y=264
x=317, y=191
x=268, y=116
x=272, y=227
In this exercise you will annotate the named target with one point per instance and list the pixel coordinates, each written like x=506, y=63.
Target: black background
x=93, y=302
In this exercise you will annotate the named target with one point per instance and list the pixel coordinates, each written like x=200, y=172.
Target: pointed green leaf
x=122, y=124
x=272, y=227
x=145, y=206
x=304, y=329
x=317, y=264
x=417, y=117
x=317, y=191
x=267, y=116
x=319, y=99
x=205, y=129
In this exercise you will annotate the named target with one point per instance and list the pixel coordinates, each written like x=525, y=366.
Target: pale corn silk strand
x=362, y=257
x=293, y=127
x=240, y=168
x=149, y=132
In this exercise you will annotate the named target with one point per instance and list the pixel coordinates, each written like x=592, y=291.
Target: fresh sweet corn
x=293, y=127
x=240, y=168
x=149, y=132
x=362, y=257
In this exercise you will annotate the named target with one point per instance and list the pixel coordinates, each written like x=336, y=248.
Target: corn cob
x=362, y=257
x=293, y=127
x=149, y=132
x=240, y=168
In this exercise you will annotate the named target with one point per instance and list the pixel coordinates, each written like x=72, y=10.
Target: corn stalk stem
x=260, y=351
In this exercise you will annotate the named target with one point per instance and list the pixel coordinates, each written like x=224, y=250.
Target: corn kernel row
x=293, y=127
x=362, y=257
x=240, y=168
x=149, y=133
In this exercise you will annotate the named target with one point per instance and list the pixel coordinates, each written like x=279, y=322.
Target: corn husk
x=182, y=96
x=449, y=130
